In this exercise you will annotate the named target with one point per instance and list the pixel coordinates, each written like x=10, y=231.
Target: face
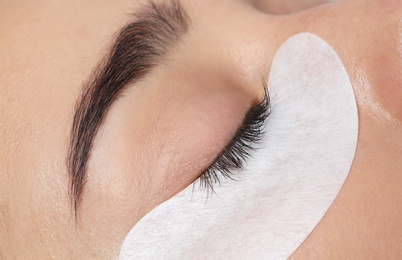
x=164, y=127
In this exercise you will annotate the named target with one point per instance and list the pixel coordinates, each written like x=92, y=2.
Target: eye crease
x=235, y=155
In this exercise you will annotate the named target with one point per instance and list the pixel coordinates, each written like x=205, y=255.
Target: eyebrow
x=139, y=47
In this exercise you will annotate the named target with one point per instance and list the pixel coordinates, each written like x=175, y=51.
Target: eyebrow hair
x=139, y=47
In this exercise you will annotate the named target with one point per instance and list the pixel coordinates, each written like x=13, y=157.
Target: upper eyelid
x=235, y=154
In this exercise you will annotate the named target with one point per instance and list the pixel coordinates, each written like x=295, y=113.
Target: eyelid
x=234, y=156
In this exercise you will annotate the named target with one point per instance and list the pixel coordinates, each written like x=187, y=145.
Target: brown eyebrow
x=139, y=47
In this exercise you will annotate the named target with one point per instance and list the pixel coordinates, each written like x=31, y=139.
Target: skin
x=47, y=51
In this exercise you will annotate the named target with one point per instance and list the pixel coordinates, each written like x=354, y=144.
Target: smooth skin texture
x=157, y=138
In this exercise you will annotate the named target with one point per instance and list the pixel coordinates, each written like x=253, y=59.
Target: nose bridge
x=233, y=42
x=238, y=50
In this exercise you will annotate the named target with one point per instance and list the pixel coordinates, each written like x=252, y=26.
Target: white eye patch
x=288, y=184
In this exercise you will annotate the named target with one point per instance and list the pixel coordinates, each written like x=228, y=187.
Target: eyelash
x=236, y=153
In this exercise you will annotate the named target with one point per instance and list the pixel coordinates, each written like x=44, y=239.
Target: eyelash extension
x=236, y=153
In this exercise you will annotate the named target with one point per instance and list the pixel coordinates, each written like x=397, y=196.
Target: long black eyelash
x=236, y=153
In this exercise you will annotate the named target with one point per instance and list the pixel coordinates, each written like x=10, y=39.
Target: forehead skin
x=47, y=51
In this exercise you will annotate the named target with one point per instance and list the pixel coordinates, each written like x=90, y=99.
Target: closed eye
x=239, y=149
